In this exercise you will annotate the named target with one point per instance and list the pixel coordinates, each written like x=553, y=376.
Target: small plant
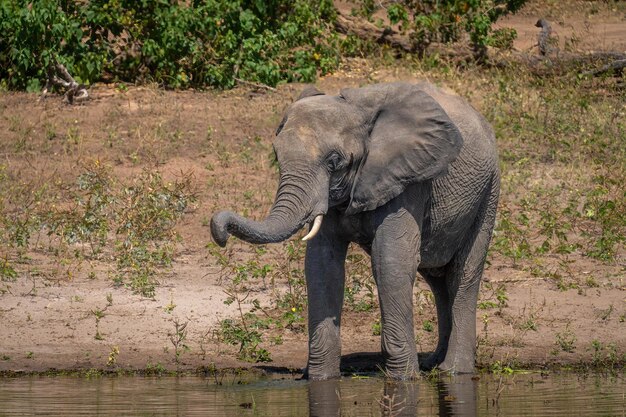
x=245, y=330
x=171, y=306
x=500, y=368
x=566, y=340
x=528, y=318
x=291, y=270
x=7, y=272
x=376, y=328
x=155, y=369
x=293, y=320
x=247, y=339
x=510, y=237
x=93, y=373
x=99, y=315
x=88, y=219
x=145, y=233
x=428, y=326
x=605, y=356
x=112, y=360
x=605, y=314
x=498, y=297
x=530, y=324
x=591, y=282
x=178, y=339
x=359, y=288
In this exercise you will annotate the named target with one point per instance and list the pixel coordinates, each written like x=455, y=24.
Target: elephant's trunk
x=294, y=207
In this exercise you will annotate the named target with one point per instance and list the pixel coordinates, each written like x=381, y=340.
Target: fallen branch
x=352, y=25
x=615, y=66
x=366, y=30
x=563, y=62
x=59, y=76
x=255, y=85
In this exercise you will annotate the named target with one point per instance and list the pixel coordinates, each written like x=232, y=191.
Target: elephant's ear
x=412, y=139
x=309, y=92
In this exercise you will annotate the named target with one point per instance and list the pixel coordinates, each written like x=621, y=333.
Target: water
x=519, y=395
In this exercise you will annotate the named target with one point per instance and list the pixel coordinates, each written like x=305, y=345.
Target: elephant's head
x=355, y=151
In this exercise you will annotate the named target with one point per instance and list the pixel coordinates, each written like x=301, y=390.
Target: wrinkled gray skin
x=408, y=172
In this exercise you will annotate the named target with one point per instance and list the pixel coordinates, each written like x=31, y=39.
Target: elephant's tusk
x=317, y=223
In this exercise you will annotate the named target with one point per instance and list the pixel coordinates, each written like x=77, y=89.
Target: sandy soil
x=576, y=25
x=46, y=316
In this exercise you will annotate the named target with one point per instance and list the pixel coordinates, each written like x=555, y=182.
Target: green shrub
x=36, y=34
x=147, y=213
x=427, y=21
x=175, y=43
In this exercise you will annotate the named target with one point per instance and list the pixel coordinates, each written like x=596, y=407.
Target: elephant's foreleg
x=325, y=276
x=395, y=256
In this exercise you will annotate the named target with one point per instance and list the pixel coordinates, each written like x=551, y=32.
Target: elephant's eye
x=334, y=161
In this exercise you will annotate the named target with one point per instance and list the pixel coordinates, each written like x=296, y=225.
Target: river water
x=531, y=394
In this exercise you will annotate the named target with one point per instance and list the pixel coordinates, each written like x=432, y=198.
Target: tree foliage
x=175, y=43
x=428, y=21
x=197, y=43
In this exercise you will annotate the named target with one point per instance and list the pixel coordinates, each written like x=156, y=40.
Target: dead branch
x=258, y=86
x=616, y=67
x=366, y=30
x=59, y=76
x=459, y=52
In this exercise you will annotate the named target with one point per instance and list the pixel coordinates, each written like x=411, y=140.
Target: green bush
x=199, y=43
x=428, y=21
x=175, y=43
x=34, y=35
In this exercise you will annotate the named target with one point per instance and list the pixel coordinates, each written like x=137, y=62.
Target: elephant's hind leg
x=439, y=286
x=463, y=277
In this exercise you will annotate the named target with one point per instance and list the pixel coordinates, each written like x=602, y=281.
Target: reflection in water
x=458, y=396
x=455, y=397
x=520, y=395
x=336, y=398
x=400, y=398
x=324, y=398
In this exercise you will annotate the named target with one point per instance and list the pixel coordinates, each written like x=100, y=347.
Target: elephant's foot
x=401, y=361
x=458, y=364
x=456, y=369
x=402, y=374
x=320, y=375
x=400, y=357
x=324, y=350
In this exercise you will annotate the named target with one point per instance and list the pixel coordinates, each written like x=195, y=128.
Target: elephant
x=410, y=173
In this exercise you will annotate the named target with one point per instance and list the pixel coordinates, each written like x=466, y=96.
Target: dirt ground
x=224, y=140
